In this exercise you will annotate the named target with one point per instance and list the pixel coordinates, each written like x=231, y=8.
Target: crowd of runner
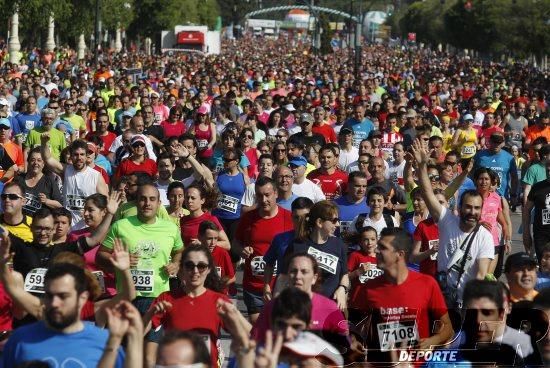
x=370, y=213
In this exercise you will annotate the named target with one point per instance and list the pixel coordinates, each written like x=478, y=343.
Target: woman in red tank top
x=246, y=142
x=205, y=133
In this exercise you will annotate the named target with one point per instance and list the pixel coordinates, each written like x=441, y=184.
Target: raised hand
x=118, y=324
x=45, y=138
x=419, y=152
x=120, y=258
x=268, y=355
x=113, y=202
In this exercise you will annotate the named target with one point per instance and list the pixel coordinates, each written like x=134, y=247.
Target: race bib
x=32, y=203
x=468, y=150
x=143, y=280
x=431, y=244
x=202, y=143
x=75, y=202
x=34, y=281
x=257, y=266
x=398, y=334
x=344, y=226
x=370, y=274
x=546, y=217
x=327, y=261
x=100, y=279
x=517, y=137
x=228, y=203
x=158, y=117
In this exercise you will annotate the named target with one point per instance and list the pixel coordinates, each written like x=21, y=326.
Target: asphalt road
x=517, y=246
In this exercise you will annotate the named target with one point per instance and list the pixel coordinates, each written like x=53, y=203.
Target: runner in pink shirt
x=303, y=272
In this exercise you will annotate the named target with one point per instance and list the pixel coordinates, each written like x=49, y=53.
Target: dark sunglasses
x=190, y=266
x=225, y=159
x=333, y=220
x=3, y=127
x=10, y=196
x=138, y=144
x=433, y=177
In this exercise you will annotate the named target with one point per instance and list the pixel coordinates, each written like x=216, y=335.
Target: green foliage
x=489, y=26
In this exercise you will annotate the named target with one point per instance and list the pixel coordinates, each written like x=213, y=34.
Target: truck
x=191, y=39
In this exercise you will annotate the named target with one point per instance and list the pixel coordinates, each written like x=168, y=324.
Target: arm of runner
x=341, y=293
x=213, y=139
x=526, y=190
x=526, y=225
x=443, y=335
x=98, y=235
x=223, y=241
x=421, y=156
x=268, y=275
x=417, y=256
x=514, y=181
x=408, y=173
x=102, y=187
x=458, y=181
x=14, y=287
x=120, y=261
x=50, y=161
x=482, y=267
x=173, y=266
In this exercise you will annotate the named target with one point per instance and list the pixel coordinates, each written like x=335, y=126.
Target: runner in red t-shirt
x=193, y=306
x=254, y=233
x=403, y=304
x=321, y=127
x=209, y=234
x=426, y=245
x=333, y=181
x=362, y=263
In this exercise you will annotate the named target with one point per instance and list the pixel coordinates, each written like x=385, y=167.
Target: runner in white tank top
x=79, y=180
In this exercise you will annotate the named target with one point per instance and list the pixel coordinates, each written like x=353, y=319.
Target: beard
x=60, y=321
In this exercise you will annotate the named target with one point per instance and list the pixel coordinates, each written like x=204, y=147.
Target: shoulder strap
x=388, y=219
x=469, y=240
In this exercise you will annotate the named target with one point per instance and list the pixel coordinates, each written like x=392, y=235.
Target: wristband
x=345, y=288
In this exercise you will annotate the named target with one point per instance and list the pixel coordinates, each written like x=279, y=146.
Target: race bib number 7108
x=396, y=335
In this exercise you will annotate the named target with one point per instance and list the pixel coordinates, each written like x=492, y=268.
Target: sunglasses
x=225, y=159
x=280, y=136
x=280, y=150
x=69, y=105
x=333, y=220
x=3, y=127
x=190, y=266
x=138, y=145
x=433, y=177
x=10, y=196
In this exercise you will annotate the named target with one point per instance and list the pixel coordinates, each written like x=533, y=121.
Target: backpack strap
x=388, y=219
x=360, y=220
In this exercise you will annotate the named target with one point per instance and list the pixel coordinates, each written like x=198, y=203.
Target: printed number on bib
x=75, y=202
x=370, y=274
x=468, y=150
x=431, y=245
x=546, y=217
x=258, y=266
x=143, y=280
x=228, y=203
x=344, y=226
x=34, y=281
x=32, y=202
x=202, y=143
x=398, y=334
x=327, y=261
x=100, y=279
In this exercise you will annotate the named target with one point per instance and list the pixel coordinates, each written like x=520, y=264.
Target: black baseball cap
x=519, y=259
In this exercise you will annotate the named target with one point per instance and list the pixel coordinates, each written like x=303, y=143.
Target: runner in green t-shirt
x=154, y=243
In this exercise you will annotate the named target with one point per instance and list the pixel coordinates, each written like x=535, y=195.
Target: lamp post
x=97, y=29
